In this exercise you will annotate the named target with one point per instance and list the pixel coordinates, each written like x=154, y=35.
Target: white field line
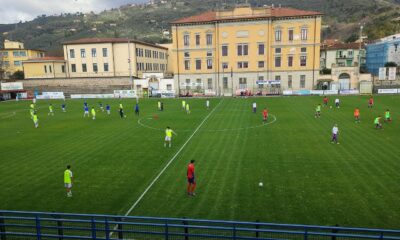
x=167, y=165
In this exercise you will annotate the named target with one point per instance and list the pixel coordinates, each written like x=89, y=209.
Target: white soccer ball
x=260, y=184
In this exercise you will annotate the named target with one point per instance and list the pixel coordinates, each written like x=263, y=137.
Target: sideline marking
x=211, y=130
x=170, y=161
x=166, y=166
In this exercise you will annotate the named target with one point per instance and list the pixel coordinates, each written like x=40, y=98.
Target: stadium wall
x=78, y=85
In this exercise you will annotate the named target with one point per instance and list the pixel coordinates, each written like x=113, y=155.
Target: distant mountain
x=147, y=21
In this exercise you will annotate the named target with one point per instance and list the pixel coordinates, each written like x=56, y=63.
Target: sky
x=13, y=11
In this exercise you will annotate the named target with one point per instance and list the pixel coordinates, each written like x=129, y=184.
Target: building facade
x=12, y=56
x=247, y=48
x=113, y=57
x=381, y=52
x=44, y=68
x=342, y=55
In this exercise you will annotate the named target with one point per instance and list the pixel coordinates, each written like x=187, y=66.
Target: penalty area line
x=135, y=204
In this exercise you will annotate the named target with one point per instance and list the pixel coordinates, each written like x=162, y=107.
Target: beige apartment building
x=247, y=48
x=113, y=57
x=44, y=68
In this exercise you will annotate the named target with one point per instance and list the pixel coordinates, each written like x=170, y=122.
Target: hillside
x=146, y=22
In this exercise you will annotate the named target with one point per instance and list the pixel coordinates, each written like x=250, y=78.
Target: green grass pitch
x=307, y=180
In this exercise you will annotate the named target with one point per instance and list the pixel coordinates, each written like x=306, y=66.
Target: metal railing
x=42, y=225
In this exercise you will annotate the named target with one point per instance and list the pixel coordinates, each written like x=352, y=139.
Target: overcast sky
x=12, y=11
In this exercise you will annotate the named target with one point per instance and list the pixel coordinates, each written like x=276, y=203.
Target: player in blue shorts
x=101, y=106
x=63, y=107
x=137, y=109
x=86, y=113
x=108, y=109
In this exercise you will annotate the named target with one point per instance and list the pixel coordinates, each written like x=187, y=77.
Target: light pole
x=360, y=46
x=130, y=63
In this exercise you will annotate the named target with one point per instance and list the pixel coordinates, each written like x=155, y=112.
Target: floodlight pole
x=130, y=63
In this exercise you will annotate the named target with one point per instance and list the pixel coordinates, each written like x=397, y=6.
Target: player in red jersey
x=191, y=180
x=371, y=102
x=326, y=101
x=265, y=115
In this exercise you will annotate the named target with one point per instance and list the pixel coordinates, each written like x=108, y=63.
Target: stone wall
x=78, y=85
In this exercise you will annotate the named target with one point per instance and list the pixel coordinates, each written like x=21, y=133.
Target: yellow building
x=46, y=67
x=12, y=56
x=247, y=48
x=109, y=57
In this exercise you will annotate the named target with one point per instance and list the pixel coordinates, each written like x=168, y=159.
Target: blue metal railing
x=43, y=225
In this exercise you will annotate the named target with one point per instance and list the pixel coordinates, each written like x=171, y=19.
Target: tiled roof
x=109, y=40
x=211, y=16
x=339, y=46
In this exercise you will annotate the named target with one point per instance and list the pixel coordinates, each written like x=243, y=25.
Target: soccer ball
x=331, y=107
x=260, y=184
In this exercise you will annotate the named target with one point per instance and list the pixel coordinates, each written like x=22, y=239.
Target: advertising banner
x=349, y=92
x=382, y=73
x=387, y=91
x=392, y=74
x=11, y=86
x=91, y=96
x=125, y=94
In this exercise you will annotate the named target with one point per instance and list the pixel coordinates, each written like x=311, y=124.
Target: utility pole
x=130, y=63
x=360, y=46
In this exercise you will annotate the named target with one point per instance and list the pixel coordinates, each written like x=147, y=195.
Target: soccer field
x=120, y=165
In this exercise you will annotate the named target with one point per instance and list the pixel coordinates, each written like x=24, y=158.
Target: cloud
x=12, y=11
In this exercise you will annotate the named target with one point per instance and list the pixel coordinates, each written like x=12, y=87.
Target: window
x=209, y=63
x=72, y=53
x=84, y=67
x=278, y=35
x=186, y=40
x=94, y=52
x=105, y=52
x=277, y=61
x=303, y=61
x=197, y=39
x=225, y=65
x=260, y=64
x=243, y=50
x=261, y=49
x=187, y=64
x=278, y=50
x=45, y=69
x=304, y=34
x=169, y=87
x=63, y=68
x=242, y=83
x=22, y=53
x=4, y=54
x=302, y=81
x=17, y=63
x=187, y=54
x=350, y=53
x=277, y=78
x=83, y=53
x=6, y=63
x=198, y=64
x=243, y=64
x=73, y=67
x=199, y=84
x=303, y=50
x=290, y=61
x=187, y=84
x=105, y=67
x=225, y=82
x=95, y=69
x=16, y=54
x=209, y=83
x=225, y=50
x=209, y=53
x=290, y=81
x=261, y=78
x=291, y=32
x=209, y=39
x=50, y=70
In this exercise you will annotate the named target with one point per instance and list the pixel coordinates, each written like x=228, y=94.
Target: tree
x=18, y=75
x=390, y=64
